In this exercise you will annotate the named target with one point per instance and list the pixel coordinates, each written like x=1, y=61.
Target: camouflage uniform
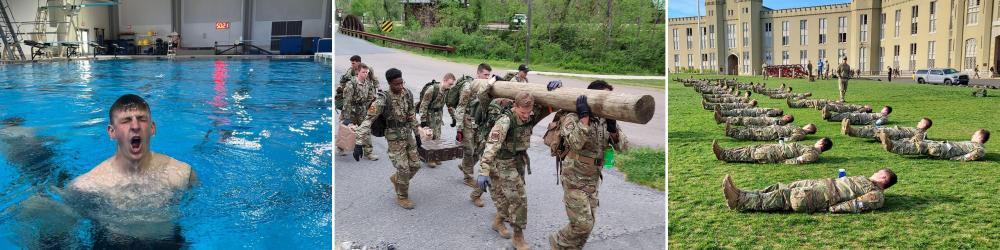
x=769, y=133
x=431, y=106
x=726, y=105
x=506, y=156
x=855, y=117
x=768, y=112
x=580, y=176
x=512, y=77
x=956, y=151
x=789, y=95
x=357, y=97
x=729, y=99
x=894, y=132
x=401, y=126
x=753, y=121
x=843, y=74
x=726, y=95
x=853, y=194
x=788, y=153
x=467, y=125
x=807, y=103
x=843, y=107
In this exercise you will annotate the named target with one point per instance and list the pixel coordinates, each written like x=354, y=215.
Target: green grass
x=643, y=166
x=935, y=204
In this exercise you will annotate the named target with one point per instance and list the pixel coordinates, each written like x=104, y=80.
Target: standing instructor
x=843, y=74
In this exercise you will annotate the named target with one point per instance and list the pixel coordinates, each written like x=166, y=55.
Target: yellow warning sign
x=386, y=26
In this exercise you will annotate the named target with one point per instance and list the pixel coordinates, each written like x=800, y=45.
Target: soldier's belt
x=508, y=155
x=585, y=160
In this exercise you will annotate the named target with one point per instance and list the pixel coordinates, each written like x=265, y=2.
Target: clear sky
x=683, y=8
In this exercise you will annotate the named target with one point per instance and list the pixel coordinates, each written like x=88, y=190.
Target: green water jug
x=609, y=158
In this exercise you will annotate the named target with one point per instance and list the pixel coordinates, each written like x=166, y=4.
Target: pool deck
x=324, y=57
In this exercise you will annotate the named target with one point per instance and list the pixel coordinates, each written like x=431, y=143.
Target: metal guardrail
x=363, y=34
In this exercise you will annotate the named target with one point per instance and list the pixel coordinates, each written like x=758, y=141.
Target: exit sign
x=222, y=25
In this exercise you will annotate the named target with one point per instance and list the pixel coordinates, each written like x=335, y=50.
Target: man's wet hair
x=125, y=103
x=524, y=100
x=827, y=144
x=600, y=85
x=892, y=177
x=484, y=66
x=356, y=58
x=888, y=109
x=363, y=66
x=449, y=76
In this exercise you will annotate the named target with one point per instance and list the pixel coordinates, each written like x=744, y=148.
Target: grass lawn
x=935, y=204
x=643, y=166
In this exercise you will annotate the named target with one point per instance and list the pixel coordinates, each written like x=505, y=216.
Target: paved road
x=629, y=217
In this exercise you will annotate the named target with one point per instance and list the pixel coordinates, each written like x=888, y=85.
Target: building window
x=704, y=34
x=822, y=54
x=970, y=53
x=881, y=29
x=690, y=61
x=881, y=58
x=730, y=12
x=913, y=56
x=803, y=57
x=913, y=19
x=895, y=56
x=950, y=50
x=731, y=35
x=842, y=24
x=864, y=27
x=822, y=30
x=863, y=59
x=746, y=62
x=803, y=32
x=933, y=24
x=746, y=35
x=899, y=14
x=677, y=61
x=973, y=17
x=689, y=38
x=768, y=36
x=784, y=33
x=784, y=57
x=710, y=34
x=676, y=40
x=746, y=10
x=841, y=53
x=930, y=54
x=704, y=62
x=768, y=58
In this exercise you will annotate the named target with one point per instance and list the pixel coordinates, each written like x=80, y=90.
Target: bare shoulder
x=180, y=172
x=92, y=179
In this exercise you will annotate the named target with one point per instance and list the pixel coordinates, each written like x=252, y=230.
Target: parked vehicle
x=517, y=21
x=947, y=76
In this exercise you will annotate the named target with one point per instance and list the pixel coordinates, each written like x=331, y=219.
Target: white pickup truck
x=945, y=76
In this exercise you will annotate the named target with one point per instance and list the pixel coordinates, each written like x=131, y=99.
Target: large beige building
x=738, y=36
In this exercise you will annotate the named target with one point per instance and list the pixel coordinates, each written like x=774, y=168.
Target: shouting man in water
x=132, y=128
x=134, y=180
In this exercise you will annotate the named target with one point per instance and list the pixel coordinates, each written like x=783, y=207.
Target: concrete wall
x=199, y=18
x=310, y=12
x=145, y=16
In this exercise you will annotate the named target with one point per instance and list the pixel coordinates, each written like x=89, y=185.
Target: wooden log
x=608, y=104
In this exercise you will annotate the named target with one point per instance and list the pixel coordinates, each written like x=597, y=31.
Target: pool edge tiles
x=174, y=57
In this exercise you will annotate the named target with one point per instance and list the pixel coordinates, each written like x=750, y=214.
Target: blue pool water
x=256, y=132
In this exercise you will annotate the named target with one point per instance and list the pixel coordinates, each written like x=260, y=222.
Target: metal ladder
x=8, y=34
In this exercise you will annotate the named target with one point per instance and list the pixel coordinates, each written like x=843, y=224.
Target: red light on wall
x=222, y=25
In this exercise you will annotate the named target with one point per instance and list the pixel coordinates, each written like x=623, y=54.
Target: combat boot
x=477, y=201
x=886, y=142
x=845, y=127
x=405, y=203
x=718, y=116
x=717, y=150
x=500, y=228
x=395, y=186
x=372, y=156
x=469, y=182
x=731, y=192
x=518, y=240
x=826, y=114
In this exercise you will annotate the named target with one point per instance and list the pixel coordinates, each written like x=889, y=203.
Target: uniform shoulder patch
x=494, y=136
